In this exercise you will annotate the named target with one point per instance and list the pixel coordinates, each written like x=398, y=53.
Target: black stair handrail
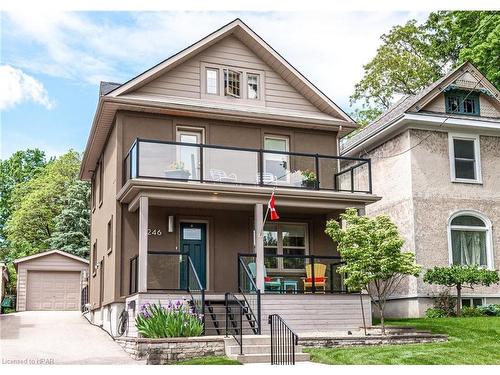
x=198, y=288
x=231, y=299
x=255, y=314
x=283, y=341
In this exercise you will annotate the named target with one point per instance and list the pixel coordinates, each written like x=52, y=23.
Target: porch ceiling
x=185, y=194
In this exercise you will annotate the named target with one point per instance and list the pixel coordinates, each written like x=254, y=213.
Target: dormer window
x=232, y=83
x=253, y=86
x=212, y=81
x=462, y=102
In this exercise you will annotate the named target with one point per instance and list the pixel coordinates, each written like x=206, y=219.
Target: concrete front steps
x=257, y=349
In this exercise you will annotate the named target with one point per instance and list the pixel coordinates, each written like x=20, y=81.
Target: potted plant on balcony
x=176, y=170
x=309, y=179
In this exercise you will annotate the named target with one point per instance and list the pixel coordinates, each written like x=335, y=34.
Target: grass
x=472, y=341
x=209, y=360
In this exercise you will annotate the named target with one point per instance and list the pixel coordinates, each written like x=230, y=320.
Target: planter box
x=160, y=351
x=179, y=174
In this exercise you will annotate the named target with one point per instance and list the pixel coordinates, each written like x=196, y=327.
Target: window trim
x=259, y=89
x=286, y=138
x=110, y=231
x=461, y=96
x=279, y=245
x=101, y=181
x=489, y=238
x=477, y=157
x=94, y=259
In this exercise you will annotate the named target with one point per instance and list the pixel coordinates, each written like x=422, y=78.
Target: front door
x=193, y=243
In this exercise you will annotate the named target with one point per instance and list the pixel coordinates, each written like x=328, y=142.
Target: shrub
x=490, y=310
x=174, y=320
x=470, y=312
x=446, y=302
x=433, y=312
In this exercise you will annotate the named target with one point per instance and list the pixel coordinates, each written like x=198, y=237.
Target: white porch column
x=142, y=282
x=259, y=245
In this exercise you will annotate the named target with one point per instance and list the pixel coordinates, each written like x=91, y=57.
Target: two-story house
x=436, y=158
x=183, y=159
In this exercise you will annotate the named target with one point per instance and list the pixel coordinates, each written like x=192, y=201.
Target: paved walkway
x=56, y=337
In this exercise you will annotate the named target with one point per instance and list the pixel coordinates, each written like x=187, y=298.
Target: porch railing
x=235, y=311
x=171, y=271
x=251, y=295
x=168, y=160
x=297, y=274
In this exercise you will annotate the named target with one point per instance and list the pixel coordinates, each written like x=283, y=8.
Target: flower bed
x=174, y=320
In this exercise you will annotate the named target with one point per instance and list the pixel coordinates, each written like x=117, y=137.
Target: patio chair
x=267, y=178
x=319, y=277
x=221, y=176
x=270, y=283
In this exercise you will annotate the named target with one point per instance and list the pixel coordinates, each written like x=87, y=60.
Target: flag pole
x=265, y=216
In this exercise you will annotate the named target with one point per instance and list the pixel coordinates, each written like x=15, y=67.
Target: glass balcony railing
x=242, y=166
x=295, y=273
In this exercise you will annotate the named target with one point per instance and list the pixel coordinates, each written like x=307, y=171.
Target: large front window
x=470, y=240
x=288, y=239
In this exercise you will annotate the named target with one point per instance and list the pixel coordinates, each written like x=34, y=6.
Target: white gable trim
x=233, y=27
x=50, y=252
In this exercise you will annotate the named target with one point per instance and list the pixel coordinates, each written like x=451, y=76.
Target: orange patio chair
x=319, y=277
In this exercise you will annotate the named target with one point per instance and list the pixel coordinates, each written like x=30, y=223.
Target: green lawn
x=474, y=341
x=213, y=360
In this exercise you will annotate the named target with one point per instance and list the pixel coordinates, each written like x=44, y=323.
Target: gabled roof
x=50, y=252
x=414, y=103
x=238, y=28
x=106, y=87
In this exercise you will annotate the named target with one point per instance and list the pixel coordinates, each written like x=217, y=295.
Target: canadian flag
x=272, y=208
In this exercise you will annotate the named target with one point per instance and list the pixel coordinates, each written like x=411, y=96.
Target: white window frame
x=477, y=157
x=279, y=246
x=258, y=85
x=227, y=71
x=217, y=86
x=489, y=238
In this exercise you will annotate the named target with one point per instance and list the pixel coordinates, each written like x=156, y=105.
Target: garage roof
x=50, y=252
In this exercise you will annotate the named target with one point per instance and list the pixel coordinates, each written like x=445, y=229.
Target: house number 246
x=154, y=232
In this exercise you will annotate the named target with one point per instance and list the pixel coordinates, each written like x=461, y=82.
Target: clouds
x=17, y=87
x=330, y=48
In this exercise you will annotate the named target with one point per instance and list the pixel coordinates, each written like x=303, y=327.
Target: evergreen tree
x=72, y=225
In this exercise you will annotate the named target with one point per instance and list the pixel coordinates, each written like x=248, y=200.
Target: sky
x=51, y=63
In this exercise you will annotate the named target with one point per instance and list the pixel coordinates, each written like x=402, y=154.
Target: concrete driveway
x=56, y=337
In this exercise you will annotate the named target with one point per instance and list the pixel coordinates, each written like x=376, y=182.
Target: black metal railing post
x=370, y=187
x=259, y=313
x=226, y=304
x=313, y=285
x=316, y=166
x=352, y=180
x=261, y=167
x=201, y=163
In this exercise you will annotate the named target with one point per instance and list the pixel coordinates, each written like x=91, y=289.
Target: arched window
x=469, y=235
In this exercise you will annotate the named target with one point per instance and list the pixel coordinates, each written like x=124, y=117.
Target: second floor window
x=464, y=155
x=232, y=83
x=461, y=102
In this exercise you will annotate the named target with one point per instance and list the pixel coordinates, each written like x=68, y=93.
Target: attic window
x=232, y=83
x=253, y=86
x=462, y=102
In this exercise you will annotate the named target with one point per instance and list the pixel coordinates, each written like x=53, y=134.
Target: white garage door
x=50, y=290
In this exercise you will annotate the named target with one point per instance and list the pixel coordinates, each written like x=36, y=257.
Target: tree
x=19, y=168
x=72, y=225
x=412, y=56
x=371, y=251
x=37, y=202
x=459, y=276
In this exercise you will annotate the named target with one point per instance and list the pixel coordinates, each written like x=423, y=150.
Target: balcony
x=204, y=163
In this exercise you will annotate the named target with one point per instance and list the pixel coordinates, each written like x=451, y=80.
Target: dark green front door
x=193, y=242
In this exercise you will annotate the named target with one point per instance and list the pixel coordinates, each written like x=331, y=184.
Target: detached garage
x=52, y=280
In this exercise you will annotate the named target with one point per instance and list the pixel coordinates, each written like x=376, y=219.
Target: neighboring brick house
x=436, y=163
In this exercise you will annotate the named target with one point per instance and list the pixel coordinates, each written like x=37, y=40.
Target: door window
x=188, y=157
x=276, y=166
